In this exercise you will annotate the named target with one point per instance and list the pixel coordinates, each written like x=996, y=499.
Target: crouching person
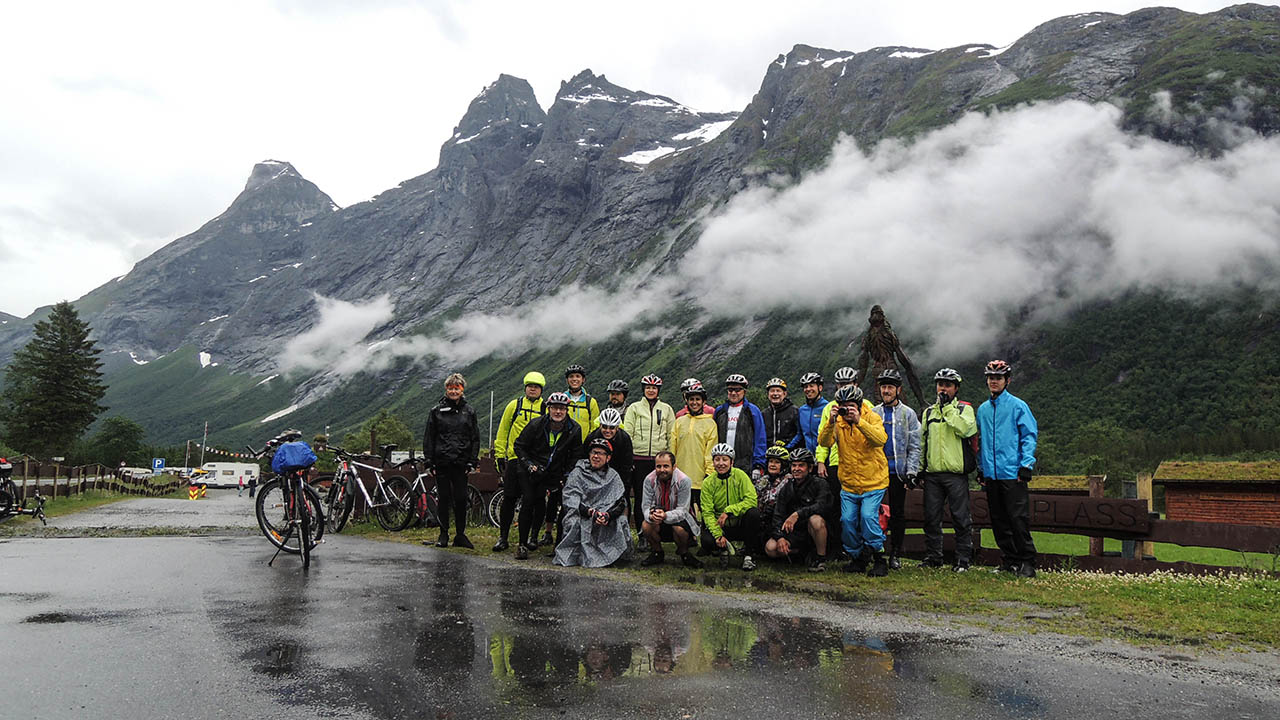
x=667, y=518
x=798, y=527
x=596, y=532
x=729, y=509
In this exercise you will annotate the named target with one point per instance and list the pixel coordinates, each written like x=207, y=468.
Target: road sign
x=157, y=463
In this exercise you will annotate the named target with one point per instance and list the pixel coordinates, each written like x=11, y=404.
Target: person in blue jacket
x=810, y=413
x=1006, y=458
x=741, y=424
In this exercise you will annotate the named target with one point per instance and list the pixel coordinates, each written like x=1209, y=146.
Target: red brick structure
x=1223, y=492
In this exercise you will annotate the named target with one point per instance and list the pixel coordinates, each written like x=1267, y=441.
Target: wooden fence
x=54, y=480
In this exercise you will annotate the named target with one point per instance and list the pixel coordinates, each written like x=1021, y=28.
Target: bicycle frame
x=347, y=465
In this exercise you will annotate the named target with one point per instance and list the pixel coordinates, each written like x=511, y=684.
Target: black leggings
x=643, y=466
x=533, y=504
x=745, y=527
x=451, y=487
x=510, y=495
x=897, y=496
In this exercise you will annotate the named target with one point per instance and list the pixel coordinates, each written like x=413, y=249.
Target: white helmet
x=722, y=449
x=610, y=417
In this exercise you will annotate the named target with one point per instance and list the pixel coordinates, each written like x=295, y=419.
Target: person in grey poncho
x=596, y=532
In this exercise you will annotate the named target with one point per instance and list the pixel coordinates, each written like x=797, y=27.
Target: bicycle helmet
x=618, y=386
x=722, y=449
x=998, y=368
x=736, y=379
x=778, y=452
x=776, y=382
x=889, y=377
x=575, y=368
x=610, y=417
x=602, y=444
x=653, y=380
x=535, y=378
x=810, y=377
x=849, y=393
x=290, y=435
x=693, y=386
x=846, y=374
x=947, y=374
x=803, y=455
x=558, y=398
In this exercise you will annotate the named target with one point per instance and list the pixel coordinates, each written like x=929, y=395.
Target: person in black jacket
x=781, y=417
x=546, y=451
x=451, y=450
x=797, y=524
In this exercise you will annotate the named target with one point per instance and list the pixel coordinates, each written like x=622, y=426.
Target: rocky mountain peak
x=508, y=98
x=276, y=188
x=586, y=86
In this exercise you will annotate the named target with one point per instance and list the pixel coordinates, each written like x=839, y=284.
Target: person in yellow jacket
x=648, y=421
x=828, y=459
x=693, y=436
x=517, y=414
x=582, y=407
x=859, y=437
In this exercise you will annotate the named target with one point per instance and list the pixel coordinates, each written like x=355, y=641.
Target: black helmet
x=575, y=368
x=948, y=375
x=602, y=444
x=849, y=393
x=889, y=376
x=618, y=386
x=801, y=454
x=810, y=377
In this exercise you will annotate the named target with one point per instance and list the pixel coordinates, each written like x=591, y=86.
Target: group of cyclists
x=806, y=484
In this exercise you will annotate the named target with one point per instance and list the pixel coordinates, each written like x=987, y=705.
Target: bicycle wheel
x=275, y=516
x=477, y=513
x=315, y=513
x=495, y=509
x=396, y=511
x=6, y=502
x=337, y=507
x=426, y=509
x=305, y=522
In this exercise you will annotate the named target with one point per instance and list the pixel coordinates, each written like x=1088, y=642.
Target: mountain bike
x=495, y=507
x=288, y=509
x=391, y=501
x=9, y=496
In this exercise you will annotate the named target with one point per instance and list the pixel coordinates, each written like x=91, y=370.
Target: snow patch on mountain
x=644, y=157
x=134, y=357
x=706, y=133
x=278, y=415
x=205, y=359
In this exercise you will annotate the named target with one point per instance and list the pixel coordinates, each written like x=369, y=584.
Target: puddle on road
x=58, y=617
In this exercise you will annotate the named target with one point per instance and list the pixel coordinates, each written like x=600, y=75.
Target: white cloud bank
x=1035, y=209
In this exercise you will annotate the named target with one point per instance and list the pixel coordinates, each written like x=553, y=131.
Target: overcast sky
x=129, y=124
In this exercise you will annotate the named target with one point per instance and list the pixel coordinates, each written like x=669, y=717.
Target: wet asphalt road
x=202, y=627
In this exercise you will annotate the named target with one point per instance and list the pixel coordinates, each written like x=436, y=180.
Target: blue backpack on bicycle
x=293, y=456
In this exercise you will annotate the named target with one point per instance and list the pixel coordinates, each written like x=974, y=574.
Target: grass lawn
x=64, y=505
x=1236, y=609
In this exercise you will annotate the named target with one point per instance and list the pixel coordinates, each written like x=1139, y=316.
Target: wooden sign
x=1057, y=511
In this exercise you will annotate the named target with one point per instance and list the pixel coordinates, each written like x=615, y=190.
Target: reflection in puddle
x=278, y=660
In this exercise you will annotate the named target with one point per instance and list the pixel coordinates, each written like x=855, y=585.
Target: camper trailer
x=229, y=474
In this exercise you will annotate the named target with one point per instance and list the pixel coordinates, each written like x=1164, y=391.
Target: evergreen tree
x=390, y=430
x=52, y=386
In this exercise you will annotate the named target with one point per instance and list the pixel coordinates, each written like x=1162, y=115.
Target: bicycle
x=391, y=501
x=426, y=500
x=288, y=509
x=9, y=496
x=495, y=507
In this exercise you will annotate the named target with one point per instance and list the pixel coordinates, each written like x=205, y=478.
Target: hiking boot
x=500, y=545
x=724, y=559
x=934, y=563
x=444, y=539
x=879, y=567
x=642, y=543
x=463, y=541
x=894, y=562
x=522, y=552
x=748, y=564
x=690, y=561
x=960, y=567
x=547, y=539
x=704, y=551
x=653, y=558
x=1026, y=570
x=857, y=564
x=818, y=564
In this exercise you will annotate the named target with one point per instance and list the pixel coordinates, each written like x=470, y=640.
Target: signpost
x=157, y=464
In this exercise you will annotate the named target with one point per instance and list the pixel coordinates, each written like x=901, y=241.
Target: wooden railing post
x=1144, y=493
x=1096, y=486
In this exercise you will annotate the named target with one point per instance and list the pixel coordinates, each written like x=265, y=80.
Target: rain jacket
x=748, y=443
x=863, y=467
x=1008, y=433
x=584, y=542
x=809, y=417
x=768, y=488
x=518, y=414
x=734, y=495
x=804, y=498
x=451, y=436
x=554, y=461
x=621, y=459
x=906, y=439
x=649, y=426
x=824, y=453
x=673, y=497
x=584, y=411
x=943, y=433
x=691, y=441
x=782, y=423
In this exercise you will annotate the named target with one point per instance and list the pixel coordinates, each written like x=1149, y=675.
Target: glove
x=471, y=467
x=912, y=481
x=943, y=399
x=502, y=466
x=1024, y=474
x=755, y=475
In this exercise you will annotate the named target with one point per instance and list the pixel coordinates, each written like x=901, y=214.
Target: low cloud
x=335, y=343
x=1032, y=210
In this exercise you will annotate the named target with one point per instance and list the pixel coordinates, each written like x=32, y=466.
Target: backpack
x=293, y=456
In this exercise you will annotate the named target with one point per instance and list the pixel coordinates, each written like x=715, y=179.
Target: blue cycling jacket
x=810, y=421
x=1007, y=431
